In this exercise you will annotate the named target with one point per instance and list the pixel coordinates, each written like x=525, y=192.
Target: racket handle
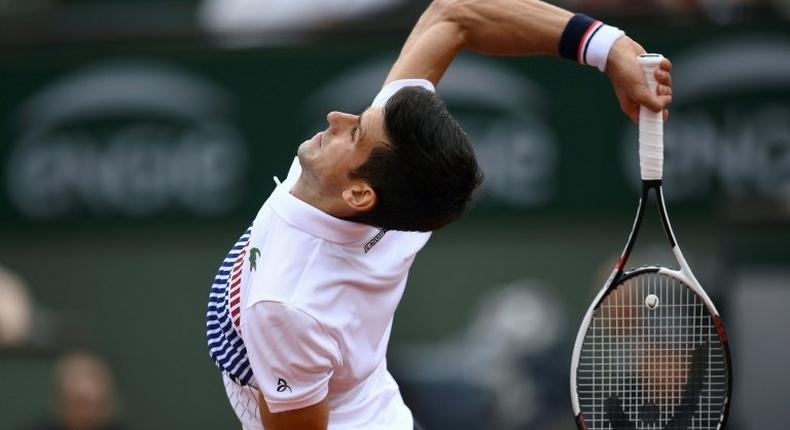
x=651, y=126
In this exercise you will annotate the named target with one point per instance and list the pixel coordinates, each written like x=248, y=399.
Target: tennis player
x=300, y=312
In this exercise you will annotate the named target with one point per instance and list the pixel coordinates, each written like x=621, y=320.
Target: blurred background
x=139, y=138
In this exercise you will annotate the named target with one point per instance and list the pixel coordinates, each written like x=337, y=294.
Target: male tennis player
x=300, y=313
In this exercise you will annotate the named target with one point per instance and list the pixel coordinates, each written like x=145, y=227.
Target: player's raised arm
x=527, y=27
x=498, y=27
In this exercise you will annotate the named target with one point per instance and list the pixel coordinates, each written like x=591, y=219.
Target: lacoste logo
x=375, y=240
x=282, y=385
x=254, y=254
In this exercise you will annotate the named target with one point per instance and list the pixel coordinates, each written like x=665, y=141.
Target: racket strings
x=652, y=359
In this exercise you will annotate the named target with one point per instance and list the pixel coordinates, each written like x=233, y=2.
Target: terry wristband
x=393, y=87
x=588, y=41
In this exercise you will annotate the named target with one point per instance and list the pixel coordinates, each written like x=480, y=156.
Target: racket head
x=651, y=353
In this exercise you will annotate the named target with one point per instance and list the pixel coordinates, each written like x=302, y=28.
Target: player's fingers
x=666, y=115
x=663, y=90
x=665, y=64
x=663, y=77
x=665, y=101
x=644, y=97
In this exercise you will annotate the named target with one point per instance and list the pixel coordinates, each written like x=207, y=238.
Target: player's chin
x=306, y=150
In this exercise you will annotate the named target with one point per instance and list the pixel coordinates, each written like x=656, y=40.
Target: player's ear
x=360, y=196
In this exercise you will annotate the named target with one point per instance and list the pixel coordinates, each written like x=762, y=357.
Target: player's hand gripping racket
x=651, y=352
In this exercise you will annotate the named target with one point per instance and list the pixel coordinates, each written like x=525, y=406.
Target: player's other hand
x=625, y=72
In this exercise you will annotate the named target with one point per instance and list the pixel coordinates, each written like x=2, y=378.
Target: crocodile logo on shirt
x=254, y=254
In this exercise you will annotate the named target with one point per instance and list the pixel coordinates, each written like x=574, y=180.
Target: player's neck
x=307, y=192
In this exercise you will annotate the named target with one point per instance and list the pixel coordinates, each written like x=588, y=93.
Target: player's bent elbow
x=442, y=8
x=463, y=14
x=451, y=14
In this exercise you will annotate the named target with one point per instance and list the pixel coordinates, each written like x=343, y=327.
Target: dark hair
x=425, y=177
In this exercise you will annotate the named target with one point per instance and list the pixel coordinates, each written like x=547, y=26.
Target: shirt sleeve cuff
x=276, y=406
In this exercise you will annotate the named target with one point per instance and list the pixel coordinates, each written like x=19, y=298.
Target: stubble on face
x=309, y=149
x=329, y=156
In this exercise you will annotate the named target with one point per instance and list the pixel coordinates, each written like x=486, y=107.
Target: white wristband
x=393, y=87
x=598, y=46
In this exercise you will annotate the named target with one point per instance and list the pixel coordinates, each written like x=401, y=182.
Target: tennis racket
x=651, y=352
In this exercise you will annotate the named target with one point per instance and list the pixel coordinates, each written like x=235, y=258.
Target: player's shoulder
x=388, y=253
x=407, y=242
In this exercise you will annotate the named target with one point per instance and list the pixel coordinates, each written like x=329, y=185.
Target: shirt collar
x=316, y=222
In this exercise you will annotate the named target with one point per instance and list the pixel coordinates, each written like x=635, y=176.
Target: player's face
x=330, y=155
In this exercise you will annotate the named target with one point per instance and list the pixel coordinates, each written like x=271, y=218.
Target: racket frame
x=619, y=275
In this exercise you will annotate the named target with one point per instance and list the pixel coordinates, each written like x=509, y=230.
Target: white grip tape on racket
x=651, y=126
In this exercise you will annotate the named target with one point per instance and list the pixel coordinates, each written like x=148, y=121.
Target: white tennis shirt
x=316, y=296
